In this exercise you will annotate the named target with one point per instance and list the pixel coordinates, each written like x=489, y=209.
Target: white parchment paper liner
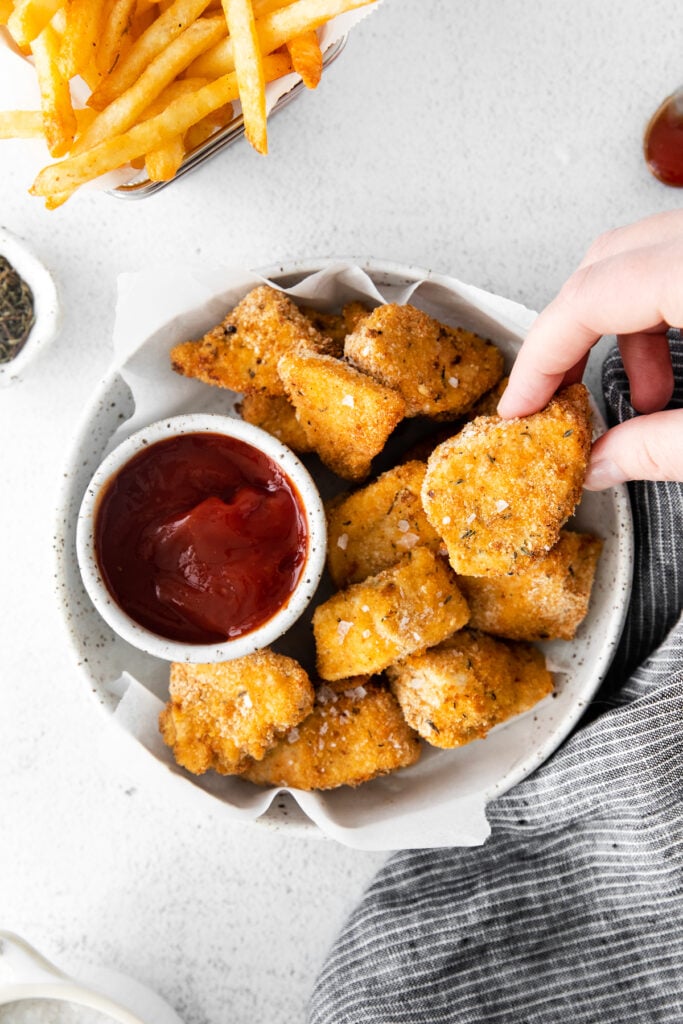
x=19, y=90
x=441, y=800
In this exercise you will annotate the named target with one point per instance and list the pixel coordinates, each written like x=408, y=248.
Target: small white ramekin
x=45, y=304
x=282, y=620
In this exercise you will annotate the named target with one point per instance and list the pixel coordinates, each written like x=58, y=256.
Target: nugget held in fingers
x=242, y=351
x=458, y=691
x=440, y=371
x=347, y=416
x=222, y=714
x=412, y=606
x=371, y=529
x=549, y=601
x=355, y=733
x=500, y=490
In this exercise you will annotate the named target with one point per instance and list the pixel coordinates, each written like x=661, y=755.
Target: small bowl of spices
x=201, y=538
x=28, y=306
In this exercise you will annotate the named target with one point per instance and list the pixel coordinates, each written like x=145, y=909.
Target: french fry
x=239, y=16
x=307, y=58
x=81, y=31
x=63, y=178
x=197, y=134
x=166, y=27
x=6, y=8
x=58, y=116
x=115, y=119
x=29, y=18
x=112, y=41
x=274, y=30
x=162, y=164
x=29, y=124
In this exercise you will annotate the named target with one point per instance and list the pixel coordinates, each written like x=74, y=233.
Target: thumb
x=644, y=448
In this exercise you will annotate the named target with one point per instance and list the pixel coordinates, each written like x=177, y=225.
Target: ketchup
x=200, y=538
x=663, y=144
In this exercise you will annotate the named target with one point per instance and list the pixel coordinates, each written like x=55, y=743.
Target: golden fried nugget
x=500, y=490
x=412, y=606
x=548, y=601
x=276, y=414
x=373, y=528
x=355, y=732
x=458, y=691
x=488, y=403
x=242, y=352
x=354, y=314
x=440, y=371
x=220, y=715
x=347, y=415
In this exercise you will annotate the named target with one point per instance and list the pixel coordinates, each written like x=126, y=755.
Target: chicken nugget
x=500, y=490
x=242, y=352
x=548, y=601
x=412, y=606
x=354, y=313
x=488, y=403
x=355, y=732
x=440, y=371
x=373, y=528
x=332, y=326
x=277, y=415
x=458, y=691
x=221, y=715
x=347, y=416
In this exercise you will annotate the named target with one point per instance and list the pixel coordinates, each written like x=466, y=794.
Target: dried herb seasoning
x=17, y=314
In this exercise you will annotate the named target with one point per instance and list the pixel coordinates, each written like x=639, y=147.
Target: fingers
x=647, y=361
x=655, y=230
x=630, y=292
x=645, y=448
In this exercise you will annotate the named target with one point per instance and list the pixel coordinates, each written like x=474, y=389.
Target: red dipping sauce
x=663, y=144
x=200, y=538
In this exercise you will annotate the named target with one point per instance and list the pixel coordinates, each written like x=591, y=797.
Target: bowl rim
x=256, y=639
x=45, y=302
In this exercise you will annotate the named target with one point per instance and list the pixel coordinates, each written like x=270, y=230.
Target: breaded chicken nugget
x=277, y=415
x=548, y=601
x=488, y=403
x=373, y=528
x=500, y=490
x=355, y=733
x=223, y=714
x=440, y=371
x=242, y=352
x=354, y=314
x=458, y=691
x=407, y=608
x=347, y=416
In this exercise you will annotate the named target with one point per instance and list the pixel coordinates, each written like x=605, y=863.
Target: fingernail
x=602, y=474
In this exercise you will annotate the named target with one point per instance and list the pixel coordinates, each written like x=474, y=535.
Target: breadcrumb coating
x=276, y=414
x=407, y=608
x=355, y=732
x=500, y=490
x=347, y=416
x=440, y=371
x=371, y=529
x=242, y=352
x=458, y=691
x=222, y=714
x=335, y=326
x=549, y=601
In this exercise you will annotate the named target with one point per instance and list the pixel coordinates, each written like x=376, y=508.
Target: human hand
x=630, y=283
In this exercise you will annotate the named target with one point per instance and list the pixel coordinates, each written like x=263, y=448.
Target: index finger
x=628, y=293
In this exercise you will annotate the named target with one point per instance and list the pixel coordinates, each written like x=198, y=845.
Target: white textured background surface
x=492, y=141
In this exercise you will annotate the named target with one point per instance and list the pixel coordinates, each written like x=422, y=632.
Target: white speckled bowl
x=311, y=571
x=46, y=305
x=440, y=801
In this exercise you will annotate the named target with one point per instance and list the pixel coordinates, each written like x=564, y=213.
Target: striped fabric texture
x=573, y=910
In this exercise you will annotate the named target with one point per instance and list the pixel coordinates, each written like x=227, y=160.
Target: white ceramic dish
x=310, y=572
x=46, y=305
x=440, y=801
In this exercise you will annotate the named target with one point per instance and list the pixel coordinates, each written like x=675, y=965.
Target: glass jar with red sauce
x=201, y=538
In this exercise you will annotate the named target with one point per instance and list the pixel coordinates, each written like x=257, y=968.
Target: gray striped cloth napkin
x=572, y=912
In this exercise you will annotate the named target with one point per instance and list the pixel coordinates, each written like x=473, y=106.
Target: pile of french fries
x=162, y=77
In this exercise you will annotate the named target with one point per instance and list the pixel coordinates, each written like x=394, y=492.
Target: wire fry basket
x=141, y=187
